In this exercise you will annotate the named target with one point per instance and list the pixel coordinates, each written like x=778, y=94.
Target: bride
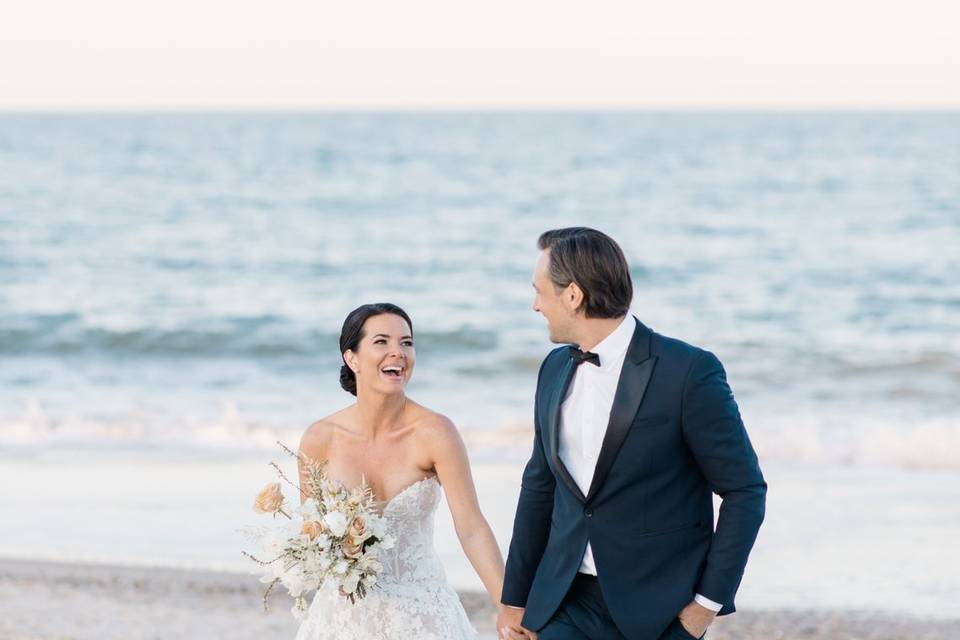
x=406, y=453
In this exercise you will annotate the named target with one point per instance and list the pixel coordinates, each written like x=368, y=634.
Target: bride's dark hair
x=352, y=333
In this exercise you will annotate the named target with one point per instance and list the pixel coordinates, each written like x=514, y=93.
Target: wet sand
x=65, y=601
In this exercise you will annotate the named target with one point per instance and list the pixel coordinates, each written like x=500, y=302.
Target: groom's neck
x=592, y=331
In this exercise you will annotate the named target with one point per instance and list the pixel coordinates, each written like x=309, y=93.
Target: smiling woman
x=395, y=364
x=406, y=454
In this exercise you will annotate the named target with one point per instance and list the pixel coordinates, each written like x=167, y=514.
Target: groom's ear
x=573, y=296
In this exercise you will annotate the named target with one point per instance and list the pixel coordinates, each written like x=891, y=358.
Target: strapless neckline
x=385, y=504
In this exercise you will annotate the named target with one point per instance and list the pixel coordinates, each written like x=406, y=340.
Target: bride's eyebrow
x=383, y=335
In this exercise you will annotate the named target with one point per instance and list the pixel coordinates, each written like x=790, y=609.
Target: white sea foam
x=929, y=443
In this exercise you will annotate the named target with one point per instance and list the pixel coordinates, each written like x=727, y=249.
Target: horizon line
x=221, y=110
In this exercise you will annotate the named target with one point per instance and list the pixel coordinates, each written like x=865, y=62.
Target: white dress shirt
x=585, y=413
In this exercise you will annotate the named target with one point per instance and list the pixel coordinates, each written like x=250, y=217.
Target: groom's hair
x=595, y=262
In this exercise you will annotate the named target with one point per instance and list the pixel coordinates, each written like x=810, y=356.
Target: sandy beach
x=66, y=601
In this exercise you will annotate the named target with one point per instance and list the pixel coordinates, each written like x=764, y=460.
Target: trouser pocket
x=680, y=632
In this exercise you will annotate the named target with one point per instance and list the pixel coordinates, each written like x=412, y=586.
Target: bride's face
x=384, y=358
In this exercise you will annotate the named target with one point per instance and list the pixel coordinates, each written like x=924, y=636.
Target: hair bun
x=348, y=379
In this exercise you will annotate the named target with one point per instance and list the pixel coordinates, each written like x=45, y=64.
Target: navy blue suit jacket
x=675, y=437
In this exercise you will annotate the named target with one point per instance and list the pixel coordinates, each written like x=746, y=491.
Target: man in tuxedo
x=633, y=434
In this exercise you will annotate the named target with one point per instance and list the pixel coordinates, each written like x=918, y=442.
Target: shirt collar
x=615, y=345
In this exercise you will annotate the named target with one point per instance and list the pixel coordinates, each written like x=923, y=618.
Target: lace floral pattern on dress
x=411, y=598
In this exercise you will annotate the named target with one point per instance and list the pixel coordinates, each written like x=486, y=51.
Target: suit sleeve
x=714, y=432
x=531, y=525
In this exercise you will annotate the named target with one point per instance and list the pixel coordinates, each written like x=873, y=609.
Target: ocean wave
x=924, y=444
x=869, y=440
x=257, y=337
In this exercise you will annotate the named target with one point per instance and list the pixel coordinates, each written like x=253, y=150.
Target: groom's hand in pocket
x=508, y=624
x=695, y=618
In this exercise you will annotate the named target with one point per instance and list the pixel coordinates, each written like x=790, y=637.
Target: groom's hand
x=695, y=618
x=508, y=624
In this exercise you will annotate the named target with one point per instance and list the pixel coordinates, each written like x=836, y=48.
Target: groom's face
x=550, y=302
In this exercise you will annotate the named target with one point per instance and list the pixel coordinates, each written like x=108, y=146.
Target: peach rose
x=352, y=547
x=270, y=499
x=312, y=528
x=358, y=528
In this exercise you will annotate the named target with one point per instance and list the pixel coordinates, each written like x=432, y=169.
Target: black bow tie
x=579, y=357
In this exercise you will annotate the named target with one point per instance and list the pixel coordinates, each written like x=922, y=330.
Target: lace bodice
x=410, y=516
x=411, y=598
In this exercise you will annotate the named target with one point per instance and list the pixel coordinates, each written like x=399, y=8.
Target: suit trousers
x=583, y=615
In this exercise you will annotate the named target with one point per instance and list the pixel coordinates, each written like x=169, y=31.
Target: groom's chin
x=555, y=339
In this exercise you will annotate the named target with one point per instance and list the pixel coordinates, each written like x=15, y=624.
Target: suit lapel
x=634, y=377
x=553, y=415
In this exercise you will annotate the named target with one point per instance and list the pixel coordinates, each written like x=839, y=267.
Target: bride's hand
x=508, y=624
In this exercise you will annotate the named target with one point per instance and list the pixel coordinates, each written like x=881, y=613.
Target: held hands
x=695, y=618
x=508, y=624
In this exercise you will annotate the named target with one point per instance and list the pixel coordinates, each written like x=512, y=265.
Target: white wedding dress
x=411, y=599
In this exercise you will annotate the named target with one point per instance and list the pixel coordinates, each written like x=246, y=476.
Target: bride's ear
x=350, y=358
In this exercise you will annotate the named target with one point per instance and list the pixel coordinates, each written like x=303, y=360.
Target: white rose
x=310, y=510
x=336, y=522
x=377, y=526
x=293, y=581
x=370, y=564
x=311, y=583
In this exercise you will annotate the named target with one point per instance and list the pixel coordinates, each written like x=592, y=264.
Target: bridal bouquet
x=334, y=536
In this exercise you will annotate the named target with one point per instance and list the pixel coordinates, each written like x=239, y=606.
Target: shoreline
x=47, y=600
x=820, y=547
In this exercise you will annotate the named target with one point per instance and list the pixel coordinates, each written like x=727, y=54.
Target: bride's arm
x=453, y=470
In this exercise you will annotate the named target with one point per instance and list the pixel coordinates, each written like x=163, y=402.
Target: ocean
x=172, y=287
x=179, y=281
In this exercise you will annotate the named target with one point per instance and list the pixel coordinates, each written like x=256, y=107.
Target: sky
x=478, y=54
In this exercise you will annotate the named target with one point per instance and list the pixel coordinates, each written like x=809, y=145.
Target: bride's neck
x=380, y=412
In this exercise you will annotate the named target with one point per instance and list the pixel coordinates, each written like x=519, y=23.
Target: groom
x=633, y=434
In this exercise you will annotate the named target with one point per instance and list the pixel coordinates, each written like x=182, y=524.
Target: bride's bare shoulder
x=431, y=424
x=318, y=436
